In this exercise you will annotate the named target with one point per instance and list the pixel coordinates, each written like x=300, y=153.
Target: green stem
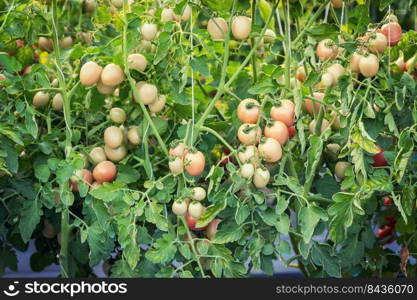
x=254, y=70
x=311, y=21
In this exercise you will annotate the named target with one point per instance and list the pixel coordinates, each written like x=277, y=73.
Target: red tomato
x=379, y=159
x=391, y=221
x=393, y=33
x=212, y=228
x=105, y=171
x=387, y=201
x=191, y=221
x=384, y=232
x=291, y=132
x=194, y=163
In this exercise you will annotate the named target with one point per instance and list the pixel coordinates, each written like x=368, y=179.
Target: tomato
x=340, y=169
x=133, y=135
x=195, y=209
x=49, y=230
x=335, y=120
x=393, y=33
x=25, y=55
x=249, y=134
x=90, y=73
x=269, y=36
x=115, y=154
x=326, y=81
x=410, y=63
x=97, y=155
x=112, y=75
x=278, y=131
x=117, y=3
x=387, y=201
x=391, y=220
x=117, y=115
x=176, y=164
x=191, y=222
x=217, y=28
x=186, y=14
x=384, y=232
x=291, y=132
x=158, y=105
x=310, y=104
x=105, y=171
x=324, y=125
x=354, y=62
x=301, y=74
x=261, y=177
x=194, y=163
x=369, y=65
x=270, y=150
x=177, y=148
x=378, y=43
x=179, y=207
x=400, y=63
x=332, y=151
x=83, y=175
x=113, y=136
x=248, y=111
x=247, y=170
x=249, y=153
x=336, y=70
x=167, y=15
x=379, y=159
x=95, y=185
x=45, y=44
x=326, y=49
x=199, y=193
x=57, y=102
x=211, y=230
x=148, y=93
x=337, y=3
x=241, y=27
x=66, y=42
x=137, y=62
x=149, y=31
x=285, y=112
x=40, y=99
x=104, y=89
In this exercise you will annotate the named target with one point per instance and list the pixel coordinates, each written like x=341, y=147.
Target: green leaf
x=30, y=216
x=264, y=86
x=164, y=250
x=313, y=156
x=242, y=213
x=109, y=191
x=323, y=31
x=308, y=220
x=127, y=174
x=185, y=251
x=227, y=233
x=342, y=213
x=364, y=141
x=323, y=256
x=212, y=211
x=100, y=242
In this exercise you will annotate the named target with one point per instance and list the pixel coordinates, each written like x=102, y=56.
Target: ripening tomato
x=393, y=33
x=149, y=31
x=57, y=102
x=158, y=105
x=179, y=207
x=310, y=104
x=261, y=177
x=247, y=170
x=337, y=3
x=326, y=81
x=137, y=62
x=270, y=150
x=217, y=28
x=133, y=135
x=199, y=193
x=113, y=136
x=400, y=63
x=90, y=73
x=177, y=148
x=105, y=171
x=326, y=49
x=341, y=167
x=336, y=70
x=167, y=15
x=324, y=125
x=95, y=185
x=301, y=74
x=66, y=42
x=176, y=164
x=148, y=93
x=249, y=134
x=211, y=230
x=241, y=27
x=410, y=63
x=387, y=201
x=112, y=75
x=195, y=209
x=104, y=89
x=83, y=175
x=97, y=155
x=379, y=159
x=378, y=43
x=285, y=112
x=369, y=65
x=45, y=44
x=354, y=62
x=117, y=115
x=40, y=99
x=248, y=111
x=191, y=222
x=278, y=131
x=194, y=163
x=186, y=14
x=115, y=154
x=249, y=153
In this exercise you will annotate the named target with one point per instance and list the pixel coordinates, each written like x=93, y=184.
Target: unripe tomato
x=336, y=70
x=270, y=150
x=49, y=230
x=337, y=3
x=194, y=163
x=90, y=5
x=387, y=201
x=45, y=44
x=378, y=44
x=309, y=104
x=278, y=131
x=40, y=99
x=83, y=175
x=148, y=93
x=66, y=42
x=354, y=62
x=158, y=105
x=324, y=125
x=149, y=31
x=291, y=132
x=248, y=111
x=379, y=159
x=261, y=177
x=211, y=230
x=112, y=75
x=97, y=155
x=195, y=209
x=57, y=102
x=117, y=115
x=167, y=15
x=332, y=150
x=269, y=36
x=285, y=112
x=115, y=154
x=176, y=165
x=247, y=170
x=90, y=73
x=104, y=89
x=241, y=27
x=113, y=136
x=249, y=134
x=249, y=154
x=217, y=28
x=393, y=33
x=179, y=207
x=105, y=171
x=186, y=14
x=191, y=221
x=133, y=135
x=199, y=193
x=340, y=168
x=137, y=62
x=177, y=149
x=326, y=49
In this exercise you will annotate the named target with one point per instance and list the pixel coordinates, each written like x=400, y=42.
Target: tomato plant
x=209, y=138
